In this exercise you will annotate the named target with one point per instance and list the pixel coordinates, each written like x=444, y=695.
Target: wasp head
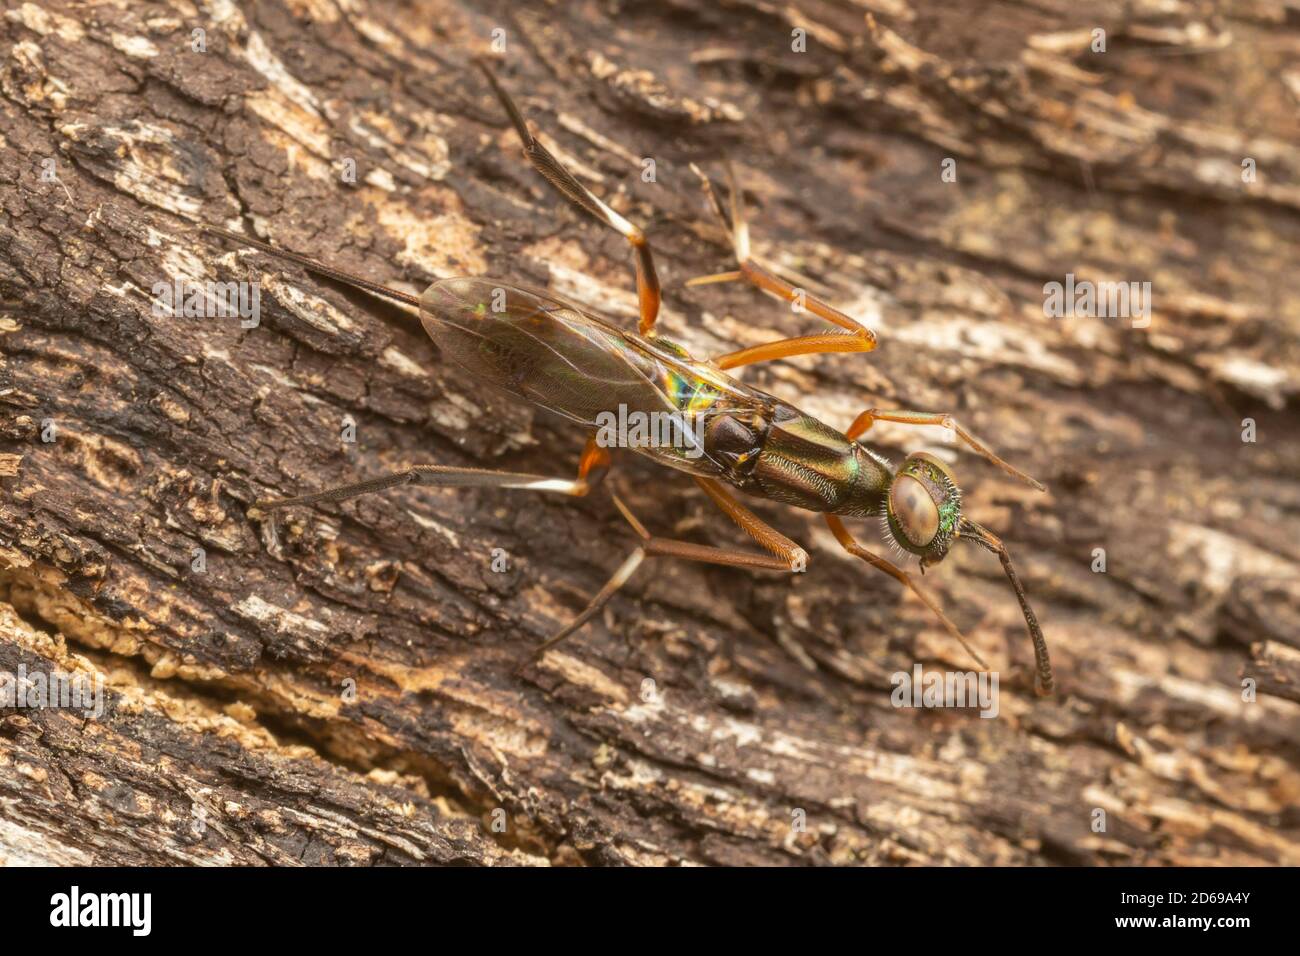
x=923, y=510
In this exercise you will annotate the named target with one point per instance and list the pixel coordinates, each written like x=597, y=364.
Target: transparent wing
x=551, y=353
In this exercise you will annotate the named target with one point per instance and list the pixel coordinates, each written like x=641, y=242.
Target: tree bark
x=353, y=684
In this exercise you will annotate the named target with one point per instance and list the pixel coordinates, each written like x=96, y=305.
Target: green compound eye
x=914, y=510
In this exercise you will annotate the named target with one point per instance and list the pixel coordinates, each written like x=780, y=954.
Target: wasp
x=564, y=358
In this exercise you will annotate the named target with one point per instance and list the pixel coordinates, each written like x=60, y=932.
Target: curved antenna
x=1043, y=681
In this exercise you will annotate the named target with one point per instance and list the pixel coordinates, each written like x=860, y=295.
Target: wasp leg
x=850, y=544
x=771, y=540
x=873, y=415
x=591, y=472
x=594, y=463
x=859, y=338
x=647, y=281
x=651, y=547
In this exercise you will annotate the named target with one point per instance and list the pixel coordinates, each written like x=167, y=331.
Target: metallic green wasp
x=727, y=435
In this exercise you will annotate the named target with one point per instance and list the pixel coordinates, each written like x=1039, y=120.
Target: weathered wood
x=707, y=706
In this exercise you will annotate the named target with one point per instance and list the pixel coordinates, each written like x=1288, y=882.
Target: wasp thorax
x=914, y=510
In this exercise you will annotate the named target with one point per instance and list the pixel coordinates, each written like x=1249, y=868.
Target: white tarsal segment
x=546, y=484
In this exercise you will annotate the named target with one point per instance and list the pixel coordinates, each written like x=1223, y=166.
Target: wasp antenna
x=1043, y=680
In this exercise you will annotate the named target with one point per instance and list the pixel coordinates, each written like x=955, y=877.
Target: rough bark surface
x=708, y=706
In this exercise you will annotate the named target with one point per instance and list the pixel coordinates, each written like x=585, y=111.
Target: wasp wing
x=553, y=354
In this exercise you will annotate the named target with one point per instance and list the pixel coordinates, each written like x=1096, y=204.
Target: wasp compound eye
x=914, y=510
